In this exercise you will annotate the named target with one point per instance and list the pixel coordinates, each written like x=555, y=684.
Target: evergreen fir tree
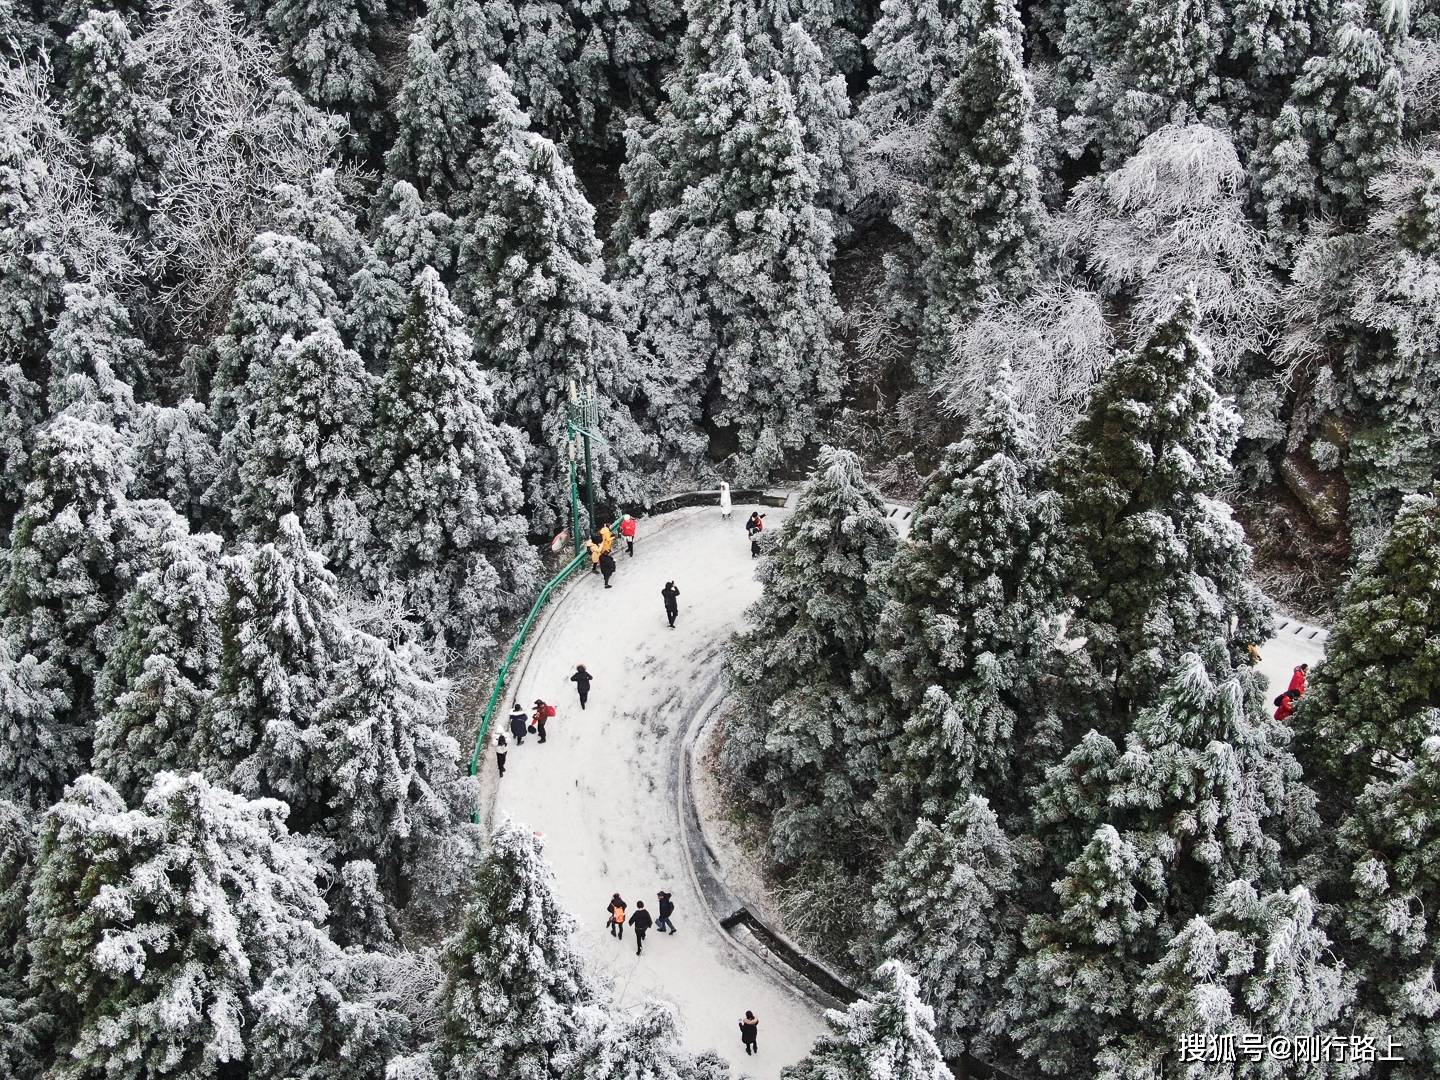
x=280, y=636
x=731, y=279
x=531, y=277
x=450, y=493
x=965, y=637
x=207, y=951
x=309, y=415
x=639, y=1046
x=328, y=47
x=822, y=104
x=125, y=131
x=793, y=743
x=1254, y=964
x=1368, y=709
x=889, y=1034
x=25, y=1035
x=1159, y=568
x=284, y=294
x=41, y=744
x=174, y=456
x=387, y=772
x=1387, y=887
x=948, y=906
x=513, y=977
x=96, y=362
x=1349, y=105
x=915, y=48
x=161, y=669
x=77, y=546
x=975, y=217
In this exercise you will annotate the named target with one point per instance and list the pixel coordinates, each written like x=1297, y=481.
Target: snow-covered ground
x=601, y=790
x=1294, y=643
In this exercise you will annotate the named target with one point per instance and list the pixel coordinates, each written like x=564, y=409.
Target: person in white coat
x=724, y=501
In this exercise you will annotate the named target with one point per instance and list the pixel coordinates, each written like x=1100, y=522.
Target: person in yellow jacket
x=596, y=549
x=607, y=540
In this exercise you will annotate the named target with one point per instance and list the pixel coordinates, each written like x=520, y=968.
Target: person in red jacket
x=1297, y=679
x=627, y=530
x=1286, y=706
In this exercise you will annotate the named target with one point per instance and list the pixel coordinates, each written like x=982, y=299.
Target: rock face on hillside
x=1322, y=493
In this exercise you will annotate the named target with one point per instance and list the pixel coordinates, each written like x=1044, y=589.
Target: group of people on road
x=640, y=920
x=521, y=725
x=601, y=546
x=1286, y=702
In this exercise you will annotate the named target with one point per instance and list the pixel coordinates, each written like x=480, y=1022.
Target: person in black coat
x=641, y=921
x=517, y=723
x=607, y=567
x=669, y=594
x=667, y=908
x=750, y=1033
x=582, y=680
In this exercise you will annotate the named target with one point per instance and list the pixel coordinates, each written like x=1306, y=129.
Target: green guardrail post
x=503, y=675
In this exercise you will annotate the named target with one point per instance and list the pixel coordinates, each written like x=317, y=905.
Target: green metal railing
x=503, y=675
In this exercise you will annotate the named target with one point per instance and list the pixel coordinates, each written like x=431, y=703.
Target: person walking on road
x=1297, y=679
x=616, y=907
x=502, y=750
x=724, y=501
x=670, y=593
x=517, y=724
x=750, y=1033
x=582, y=681
x=538, y=718
x=607, y=567
x=754, y=527
x=1285, y=706
x=607, y=540
x=627, y=530
x=641, y=922
x=592, y=545
x=667, y=909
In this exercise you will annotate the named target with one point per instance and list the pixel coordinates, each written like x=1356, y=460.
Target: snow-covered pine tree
x=1074, y=987
x=792, y=743
x=25, y=1042
x=916, y=47
x=1158, y=567
x=975, y=214
x=284, y=293
x=732, y=278
x=1204, y=794
x=531, y=278
x=387, y=773
x=946, y=906
x=964, y=640
x=1387, y=888
x=1132, y=70
x=124, y=131
x=96, y=361
x=822, y=104
x=308, y=418
x=514, y=980
x=160, y=669
x=640, y=1045
x=1369, y=708
x=33, y=270
x=1255, y=964
x=328, y=48
x=77, y=547
x=887, y=1034
x=448, y=477
x=40, y=743
x=1348, y=103
x=280, y=637
x=173, y=452
x=203, y=898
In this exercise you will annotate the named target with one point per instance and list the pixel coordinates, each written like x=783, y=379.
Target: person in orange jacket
x=593, y=546
x=607, y=540
x=616, y=907
x=627, y=530
x=1297, y=679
